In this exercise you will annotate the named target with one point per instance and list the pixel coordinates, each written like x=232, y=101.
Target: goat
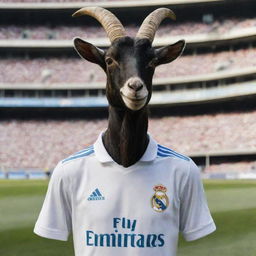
x=129, y=64
x=118, y=217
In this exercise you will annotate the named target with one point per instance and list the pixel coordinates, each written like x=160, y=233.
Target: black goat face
x=129, y=76
x=129, y=65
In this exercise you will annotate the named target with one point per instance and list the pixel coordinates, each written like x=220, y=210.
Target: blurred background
x=52, y=104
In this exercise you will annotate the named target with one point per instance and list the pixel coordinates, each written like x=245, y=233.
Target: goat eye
x=109, y=61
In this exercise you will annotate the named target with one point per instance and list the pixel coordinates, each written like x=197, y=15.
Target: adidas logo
x=96, y=195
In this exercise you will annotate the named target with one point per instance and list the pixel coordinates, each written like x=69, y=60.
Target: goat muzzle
x=134, y=93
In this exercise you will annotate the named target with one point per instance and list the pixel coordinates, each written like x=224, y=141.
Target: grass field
x=232, y=203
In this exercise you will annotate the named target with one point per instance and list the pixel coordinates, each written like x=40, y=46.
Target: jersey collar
x=103, y=156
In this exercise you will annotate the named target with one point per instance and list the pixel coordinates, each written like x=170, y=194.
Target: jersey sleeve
x=54, y=221
x=195, y=217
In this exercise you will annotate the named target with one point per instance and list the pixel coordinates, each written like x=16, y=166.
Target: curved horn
x=151, y=23
x=108, y=20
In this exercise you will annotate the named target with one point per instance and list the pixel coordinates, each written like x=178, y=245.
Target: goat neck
x=126, y=138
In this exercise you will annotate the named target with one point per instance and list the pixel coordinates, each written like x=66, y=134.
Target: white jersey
x=113, y=211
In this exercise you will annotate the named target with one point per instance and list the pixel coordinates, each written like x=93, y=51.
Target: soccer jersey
x=112, y=210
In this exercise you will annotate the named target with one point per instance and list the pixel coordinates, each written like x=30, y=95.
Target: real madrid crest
x=159, y=200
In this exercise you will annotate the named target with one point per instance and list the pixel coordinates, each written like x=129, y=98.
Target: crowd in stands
x=241, y=166
x=170, y=29
x=75, y=70
x=43, y=143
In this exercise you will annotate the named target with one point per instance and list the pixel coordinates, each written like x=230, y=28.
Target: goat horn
x=150, y=25
x=108, y=20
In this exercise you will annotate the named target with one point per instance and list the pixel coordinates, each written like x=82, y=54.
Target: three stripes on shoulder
x=167, y=152
x=161, y=152
x=82, y=153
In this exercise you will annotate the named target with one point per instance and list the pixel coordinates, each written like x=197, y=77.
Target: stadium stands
x=232, y=167
x=74, y=70
x=221, y=25
x=44, y=143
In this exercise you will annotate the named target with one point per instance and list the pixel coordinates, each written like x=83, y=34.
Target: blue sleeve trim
x=86, y=152
x=165, y=152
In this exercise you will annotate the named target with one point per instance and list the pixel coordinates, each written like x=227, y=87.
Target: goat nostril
x=130, y=85
x=139, y=87
x=135, y=86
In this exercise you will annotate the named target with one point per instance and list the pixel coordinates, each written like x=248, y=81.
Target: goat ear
x=169, y=53
x=90, y=52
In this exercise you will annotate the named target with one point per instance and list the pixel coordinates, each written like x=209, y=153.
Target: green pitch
x=232, y=203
